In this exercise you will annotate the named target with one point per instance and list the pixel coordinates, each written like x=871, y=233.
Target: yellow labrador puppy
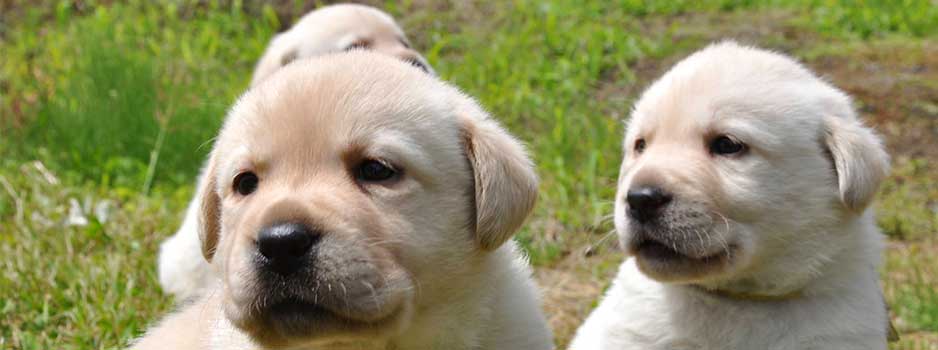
x=353, y=201
x=743, y=202
x=335, y=28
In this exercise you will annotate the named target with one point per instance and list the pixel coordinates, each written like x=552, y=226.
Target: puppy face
x=339, y=28
x=346, y=192
x=742, y=167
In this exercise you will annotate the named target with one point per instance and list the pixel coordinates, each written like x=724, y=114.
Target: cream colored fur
x=337, y=28
x=778, y=244
x=421, y=262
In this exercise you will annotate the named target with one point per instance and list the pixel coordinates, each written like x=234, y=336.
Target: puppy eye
x=289, y=57
x=360, y=44
x=404, y=42
x=639, y=146
x=245, y=183
x=416, y=63
x=724, y=145
x=372, y=170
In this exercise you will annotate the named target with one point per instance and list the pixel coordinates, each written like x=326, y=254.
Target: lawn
x=107, y=107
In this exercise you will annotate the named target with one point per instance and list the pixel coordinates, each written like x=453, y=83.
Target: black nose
x=646, y=202
x=285, y=246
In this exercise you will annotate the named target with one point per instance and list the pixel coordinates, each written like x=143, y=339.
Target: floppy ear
x=505, y=181
x=209, y=210
x=859, y=158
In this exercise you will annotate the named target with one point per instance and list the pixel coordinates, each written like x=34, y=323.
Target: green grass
x=118, y=101
x=910, y=278
x=103, y=87
x=902, y=214
x=69, y=286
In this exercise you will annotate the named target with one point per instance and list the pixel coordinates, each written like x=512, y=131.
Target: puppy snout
x=285, y=246
x=646, y=202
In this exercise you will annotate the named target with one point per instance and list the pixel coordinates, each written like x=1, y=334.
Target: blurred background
x=107, y=109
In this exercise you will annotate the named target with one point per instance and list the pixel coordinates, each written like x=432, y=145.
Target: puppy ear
x=859, y=159
x=505, y=181
x=209, y=210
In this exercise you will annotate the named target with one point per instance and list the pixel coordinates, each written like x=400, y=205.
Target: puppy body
x=761, y=236
x=843, y=310
x=418, y=259
x=182, y=270
x=335, y=28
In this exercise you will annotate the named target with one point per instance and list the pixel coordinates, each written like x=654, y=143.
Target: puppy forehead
x=348, y=18
x=358, y=98
x=731, y=86
x=349, y=11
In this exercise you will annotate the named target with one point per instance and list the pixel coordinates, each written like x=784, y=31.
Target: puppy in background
x=744, y=204
x=354, y=202
x=335, y=28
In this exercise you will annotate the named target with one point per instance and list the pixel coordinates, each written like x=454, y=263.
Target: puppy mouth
x=678, y=261
x=293, y=319
x=293, y=301
x=654, y=250
x=319, y=306
x=295, y=310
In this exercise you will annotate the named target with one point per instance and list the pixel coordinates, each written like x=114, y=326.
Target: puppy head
x=337, y=28
x=740, y=162
x=346, y=191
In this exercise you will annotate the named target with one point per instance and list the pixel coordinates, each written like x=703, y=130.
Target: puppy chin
x=294, y=322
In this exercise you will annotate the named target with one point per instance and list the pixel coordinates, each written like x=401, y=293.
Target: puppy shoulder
x=631, y=314
x=185, y=329
x=517, y=309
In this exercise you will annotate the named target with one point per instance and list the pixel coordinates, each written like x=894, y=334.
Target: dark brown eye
x=404, y=42
x=360, y=44
x=375, y=171
x=245, y=183
x=725, y=145
x=289, y=57
x=416, y=63
x=639, y=146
